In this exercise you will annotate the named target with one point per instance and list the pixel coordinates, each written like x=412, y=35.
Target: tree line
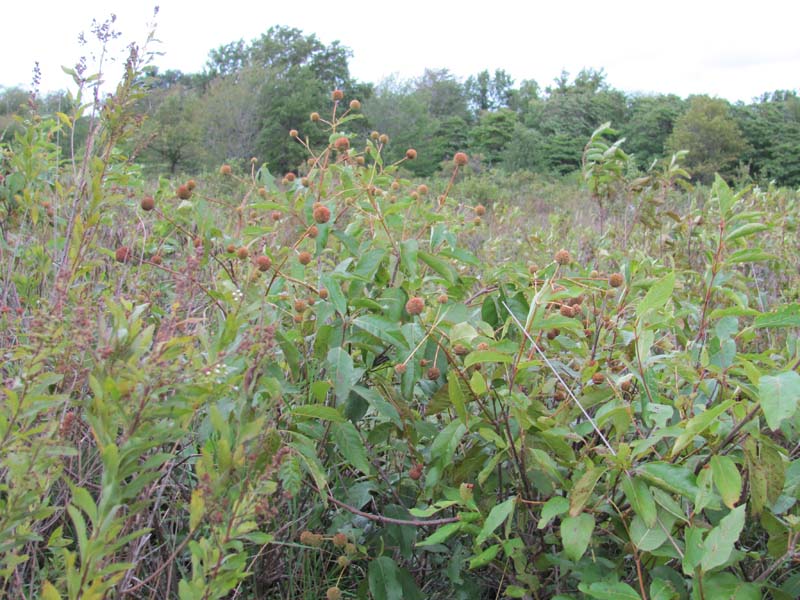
x=250, y=95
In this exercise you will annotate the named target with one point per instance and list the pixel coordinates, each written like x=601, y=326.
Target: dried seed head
x=355, y=105
x=225, y=170
x=313, y=231
x=290, y=176
x=340, y=540
x=415, y=305
x=460, y=350
x=262, y=192
x=480, y=210
x=243, y=252
x=482, y=346
x=415, y=472
x=304, y=257
x=567, y=311
x=422, y=189
x=300, y=305
x=315, y=116
x=230, y=248
x=616, y=280
x=123, y=254
x=411, y=154
x=598, y=378
x=342, y=144
x=276, y=215
x=148, y=203
x=333, y=593
x=293, y=133
x=263, y=262
x=442, y=299
x=562, y=257
x=184, y=193
x=322, y=214
x=337, y=95
x=433, y=373
x=323, y=293
x=400, y=368
x=460, y=159
x=191, y=184
x=383, y=139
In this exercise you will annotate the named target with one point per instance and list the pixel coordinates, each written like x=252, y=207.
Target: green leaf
x=575, y=535
x=648, y=538
x=49, y=592
x=440, y=535
x=442, y=267
x=383, y=581
x=445, y=443
x=786, y=316
x=485, y=557
x=657, y=295
x=744, y=230
x=661, y=589
x=335, y=295
x=497, y=517
x=582, y=490
x=351, y=446
x=604, y=590
x=456, y=396
x=727, y=479
x=318, y=411
x=408, y=256
x=699, y=423
x=557, y=505
x=720, y=540
x=641, y=500
x=486, y=356
x=694, y=549
x=197, y=507
x=779, y=396
x=672, y=478
x=385, y=330
x=726, y=586
x=342, y=373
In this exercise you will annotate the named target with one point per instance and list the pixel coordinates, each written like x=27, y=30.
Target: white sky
x=736, y=50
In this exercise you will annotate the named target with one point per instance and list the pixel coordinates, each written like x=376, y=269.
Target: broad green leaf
x=662, y=589
x=779, y=396
x=442, y=267
x=657, y=296
x=720, y=540
x=49, y=592
x=576, y=532
x=672, y=478
x=497, y=517
x=726, y=586
x=647, y=538
x=351, y=446
x=641, y=500
x=727, y=479
x=694, y=549
x=582, y=490
x=456, y=396
x=408, y=256
x=318, y=411
x=485, y=557
x=385, y=330
x=335, y=295
x=432, y=509
x=699, y=423
x=785, y=316
x=445, y=443
x=486, y=356
x=745, y=230
x=557, y=505
x=382, y=577
x=196, y=508
x=440, y=535
x=603, y=590
x=342, y=373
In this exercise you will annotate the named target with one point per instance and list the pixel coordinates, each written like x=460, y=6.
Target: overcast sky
x=735, y=50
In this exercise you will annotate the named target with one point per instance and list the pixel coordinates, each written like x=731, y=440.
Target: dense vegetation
x=313, y=374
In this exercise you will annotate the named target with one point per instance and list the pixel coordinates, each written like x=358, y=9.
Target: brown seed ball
x=340, y=540
x=480, y=210
x=276, y=215
x=598, y=378
x=423, y=362
x=322, y=214
x=262, y=192
x=395, y=185
x=263, y=262
x=562, y=257
x=532, y=269
x=415, y=472
x=293, y=133
x=482, y=346
x=299, y=305
x=442, y=299
x=304, y=181
x=342, y=144
x=225, y=170
x=323, y=293
x=460, y=159
x=626, y=385
x=198, y=242
x=156, y=260
x=315, y=116
x=184, y=193
x=123, y=254
x=383, y=139
x=415, y=305
x=361, y=161
x=476, y=221
x=374, y=135
x=355, y=105
x=616, y=280
x=306, y=537
x=290, y=176
x=566, y=311
x=343, y=562
x=422, y=189
x=313, y=231
x=191, y=184
x=400, y=369
x=230, y=248
x=433, y=373
x=460, y=350
x=298, y=318
x=333, y=593
x=148, y=203
x=243, y=252
x=411, y=154
x=552, y=334
x=337, y=95
x=304, y=257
